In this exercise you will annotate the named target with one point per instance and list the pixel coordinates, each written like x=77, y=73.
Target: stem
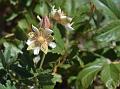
x=67, y=41
x=43, y=57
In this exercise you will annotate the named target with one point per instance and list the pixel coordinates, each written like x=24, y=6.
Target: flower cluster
x=40, y=38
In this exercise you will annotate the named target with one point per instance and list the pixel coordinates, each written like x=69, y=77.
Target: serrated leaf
x=87, y=75
x=110, y=32
x=59, y=42
x=110, y=75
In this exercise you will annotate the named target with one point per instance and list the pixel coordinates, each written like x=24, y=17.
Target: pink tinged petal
x=68, y=26
x=52, y=44
x=36, y=50
x=29, y=42
x=45, y=23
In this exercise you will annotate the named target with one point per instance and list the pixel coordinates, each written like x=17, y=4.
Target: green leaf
x=30, y=19
x=2, y=60
x=41, y=9
x=48, y=87
x=13, y=2
x=21, y=34
x=59, y=42
x=28, y=2
x=20, y=71
x=81, y=16
x=112, y=6
x=65, y=66
x=11, y=17
x=45, y=78
x=8, y=86
x=10, y=52
x=88, y=74
x=110, y=75
x=57, y=78
x=117, y=65
x=1, y=65
x=110, y=32
x=108, y=13
x=23, y=24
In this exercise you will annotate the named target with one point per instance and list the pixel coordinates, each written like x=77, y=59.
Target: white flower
x=40, y=39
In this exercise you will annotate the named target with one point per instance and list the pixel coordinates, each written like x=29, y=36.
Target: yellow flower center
x=41, y=39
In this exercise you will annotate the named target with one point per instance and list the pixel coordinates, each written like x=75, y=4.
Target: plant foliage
x=87, y=57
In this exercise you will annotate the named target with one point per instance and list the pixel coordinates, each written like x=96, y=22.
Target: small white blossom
x=61, y=18
x=39, y=39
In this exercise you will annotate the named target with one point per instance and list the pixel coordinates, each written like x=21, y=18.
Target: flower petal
x=44, y=47
x=52, y=44
x=35, y=29
x=50, y=38
x=45, y=22
x=38, y=17
x=29, y=41
x=68, y=26
x=65, y=20
x=53, y=11
x=31, y=34
x=63, y=17
x=49, y=31
x=31, y=46
x=36, y=50
x=36, y=59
